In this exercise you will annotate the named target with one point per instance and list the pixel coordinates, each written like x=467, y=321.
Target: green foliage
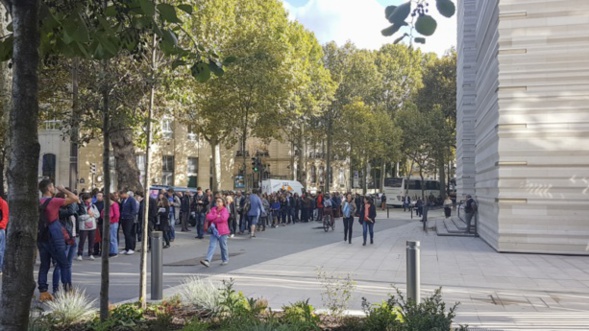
x=127, y=315
x=399, y=314
x=301, y=314
x=337, y=291
x=424, y=24
x=196, y=324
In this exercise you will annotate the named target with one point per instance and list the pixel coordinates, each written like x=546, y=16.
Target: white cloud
x=361, y=22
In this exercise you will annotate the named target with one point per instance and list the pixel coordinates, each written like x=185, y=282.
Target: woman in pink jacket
x=114, y=225
x=219, y=230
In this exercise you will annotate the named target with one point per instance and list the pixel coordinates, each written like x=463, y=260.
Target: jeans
x=90, y=235
x=172, y=232
x=213, y=246
x=290, y=214
x=232, y=224
x=128, y=226
x=2, y=247
x=54, y=248
x=348, y=223
x=468, y=219
x=70, y=252
x=184, y=220
x=368, y=226
x=200, y=222
x=114, y=242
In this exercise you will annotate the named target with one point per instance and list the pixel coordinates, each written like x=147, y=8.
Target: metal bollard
x=157, y=269
x=413, y=271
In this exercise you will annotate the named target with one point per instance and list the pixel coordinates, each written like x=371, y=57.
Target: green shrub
x=127, y=315
x=399, y=314
x=197, y=325
x=300, y=315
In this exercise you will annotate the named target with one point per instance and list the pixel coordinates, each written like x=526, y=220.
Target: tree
x=437, y=100
x=18, y=283
x=230, y=108
x=94, y=30
x=420, y=21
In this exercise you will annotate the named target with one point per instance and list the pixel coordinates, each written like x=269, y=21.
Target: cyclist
x=328, y=209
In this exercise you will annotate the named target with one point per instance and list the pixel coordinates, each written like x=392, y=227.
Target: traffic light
x=255, y=164
x=92, y=168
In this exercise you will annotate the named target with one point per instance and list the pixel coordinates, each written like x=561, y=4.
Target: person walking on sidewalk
x=367, y=219
x=349, y=210
x=3, y=225
x=256, y=209
x=219, y=229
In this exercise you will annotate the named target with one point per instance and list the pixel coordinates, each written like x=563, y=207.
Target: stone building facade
x=523, y=122
x=180, y=158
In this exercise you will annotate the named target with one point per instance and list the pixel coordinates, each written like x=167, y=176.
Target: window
x=393, y=182
x=192, y=136
x=321, y=174
x=49, y=165
x=141, y=166
x=192, y=172
x=168, y=170
x=432, y=185
x=167, y=128
x=414, y=184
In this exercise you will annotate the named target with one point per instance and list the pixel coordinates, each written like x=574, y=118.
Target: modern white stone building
x=523, y=122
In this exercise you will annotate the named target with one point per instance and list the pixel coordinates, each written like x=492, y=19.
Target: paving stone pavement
x=496, y=291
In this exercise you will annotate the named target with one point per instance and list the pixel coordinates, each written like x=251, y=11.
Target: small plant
x=337, y=291
x=203, y=295
x=383, y=316
x=127, y=315
x=301, y=314
x=197, y=325
x=71, y=307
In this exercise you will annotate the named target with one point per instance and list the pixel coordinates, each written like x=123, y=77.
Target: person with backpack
x=52, y=236
x=3, y=225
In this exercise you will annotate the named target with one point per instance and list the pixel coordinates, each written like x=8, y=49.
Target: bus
x=396, y=188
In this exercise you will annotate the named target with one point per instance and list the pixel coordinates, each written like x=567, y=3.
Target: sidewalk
x=496, y=291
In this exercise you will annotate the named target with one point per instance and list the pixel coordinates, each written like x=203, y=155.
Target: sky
x=361, y=21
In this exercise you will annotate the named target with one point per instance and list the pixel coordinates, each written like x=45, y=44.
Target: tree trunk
x=328, y=156
x=216, y=163
x=104, y=275
x=442, y=172
x=75, y=129
x=5, y=102
x=18, y=282
x=383, y=171
x=147, y=179
x=126, y=162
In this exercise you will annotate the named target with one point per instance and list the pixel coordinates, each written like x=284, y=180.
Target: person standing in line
x=219, y=230
x=447, y=207
x=256, y=209
x=99, y=203
x=3, y=225
x=232, y=210
x=67, y=217
x=367, y=218
x=266, y=213
x=201, y=202
x=383, y=201
x=185, y=211
x=407, y=203
x=349, y=209
x=115, y=218
x=129, y=211
x=89, y=223
x=53, y=237
x=163, y=223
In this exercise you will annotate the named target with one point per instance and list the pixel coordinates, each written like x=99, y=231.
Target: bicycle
x=328, y=220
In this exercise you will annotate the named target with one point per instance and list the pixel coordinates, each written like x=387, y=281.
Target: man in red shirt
x=3, y=225
x=52, y=237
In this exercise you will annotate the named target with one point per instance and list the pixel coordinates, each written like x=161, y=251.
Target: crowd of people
x=65, y=216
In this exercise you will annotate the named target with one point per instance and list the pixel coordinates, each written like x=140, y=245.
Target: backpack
x=247, y=206
x=43, y=225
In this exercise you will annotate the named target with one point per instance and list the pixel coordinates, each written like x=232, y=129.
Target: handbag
x=86, y=223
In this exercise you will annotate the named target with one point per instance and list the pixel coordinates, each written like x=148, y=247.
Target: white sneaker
x=79, y=258
x=130, y=252
x=231, y=236
x=224, y=263
x=91, y=257
x=205, y=263
x=123, y=252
